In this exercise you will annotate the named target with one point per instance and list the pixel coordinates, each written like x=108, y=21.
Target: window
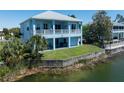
x=27, y=28
x=79, y=26
x=45, y=26
x=73, y=26
x=57, y=26
x=115, y=27
x=37, y=28
x=120, y=27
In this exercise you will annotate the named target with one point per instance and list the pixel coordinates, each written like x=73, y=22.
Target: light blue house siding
x=50, y=43
x=59, y=30
x=75, y=41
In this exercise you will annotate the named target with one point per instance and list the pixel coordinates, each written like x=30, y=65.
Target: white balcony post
x=34, y=28
x=69, y=31
x=118, y=36
x=69, y=42
x=34, y=32
x=54, y=46
x=69, y=27
x=123, y=35
x=53, y=23
x=81, y=33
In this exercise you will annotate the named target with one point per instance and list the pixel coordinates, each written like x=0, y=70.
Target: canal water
x=109, y=72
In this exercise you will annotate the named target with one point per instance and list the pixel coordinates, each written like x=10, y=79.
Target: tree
x=15, y=52
x=87, y=34
x=6, y=33
x=102, y=27
x=33, y=48
x=12, y=52
x=15, y=31
x=73, y=16
x=119, y=18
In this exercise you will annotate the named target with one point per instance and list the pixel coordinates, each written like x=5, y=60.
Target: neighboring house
x=1, y=34
x=118, y=31
x=58, y=29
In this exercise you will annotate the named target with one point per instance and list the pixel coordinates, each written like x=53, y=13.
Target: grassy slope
x=71, y=52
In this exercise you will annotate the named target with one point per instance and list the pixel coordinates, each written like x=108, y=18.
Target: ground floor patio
x=119, y=35
x=54, y=43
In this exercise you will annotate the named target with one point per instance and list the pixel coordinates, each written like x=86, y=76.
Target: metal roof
x=50, y=15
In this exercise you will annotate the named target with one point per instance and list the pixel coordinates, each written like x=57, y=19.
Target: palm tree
x=37, y=43
x=32, y=48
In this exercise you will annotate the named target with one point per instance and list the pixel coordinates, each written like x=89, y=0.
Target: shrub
x=3, y=71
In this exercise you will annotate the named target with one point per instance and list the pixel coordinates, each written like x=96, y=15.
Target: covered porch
x=51, y=27
x=64, y=42
x=119, y=35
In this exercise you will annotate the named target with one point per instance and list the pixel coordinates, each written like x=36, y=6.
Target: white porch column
x=118, y=36
x=81, y=33
x=69, y=29
x=34, y=32
x=53, y=23
x=81, y=40
x=34, y=28
x=69, y=42
x=54, y=45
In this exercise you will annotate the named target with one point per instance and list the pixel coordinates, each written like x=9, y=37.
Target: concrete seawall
x=70, y=61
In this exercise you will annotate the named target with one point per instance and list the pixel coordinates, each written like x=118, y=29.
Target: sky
x=12, y=18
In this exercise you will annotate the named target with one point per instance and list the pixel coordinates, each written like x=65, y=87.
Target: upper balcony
x=118, y=27
x=59, y=32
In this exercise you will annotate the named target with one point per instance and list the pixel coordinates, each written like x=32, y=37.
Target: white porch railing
x=44, y=31
x=115, y=45
x=117, y=29
x=61, y=31
x=58, y=31
x=75, y=31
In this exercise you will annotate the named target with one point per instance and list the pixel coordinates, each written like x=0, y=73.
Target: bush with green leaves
x=3, y=71
x=12, y=52
x=15, y=51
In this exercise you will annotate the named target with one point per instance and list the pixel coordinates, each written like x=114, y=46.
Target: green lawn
x=71, y=52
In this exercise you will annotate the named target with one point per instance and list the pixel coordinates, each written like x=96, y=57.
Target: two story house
x=59, y=30
x=118, y=31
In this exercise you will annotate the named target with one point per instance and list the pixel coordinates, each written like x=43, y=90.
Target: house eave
x=58, y=20
x=25, y=20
